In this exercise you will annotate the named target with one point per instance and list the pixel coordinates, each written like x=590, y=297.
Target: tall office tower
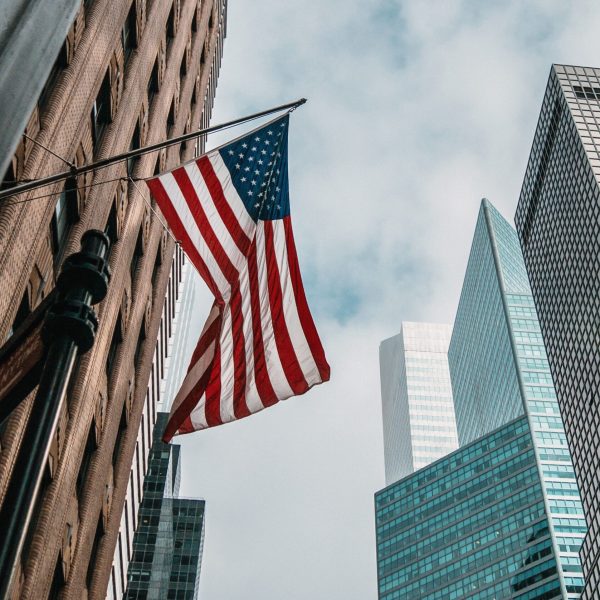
x=130, y=73
x=416, y=397
x=473, y=524
x=558, y=218
x=167, y=547
x=499, y=371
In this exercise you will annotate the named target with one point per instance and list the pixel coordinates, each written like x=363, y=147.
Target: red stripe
x=224, y=209
x=240, y=408
x=170, y=214
x=306, y=320
x=204, y=226
x=212, y=407
x=285, y=349
x=261, y=373
x=178, y=418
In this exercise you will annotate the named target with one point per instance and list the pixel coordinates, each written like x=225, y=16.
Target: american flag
x=230, y=210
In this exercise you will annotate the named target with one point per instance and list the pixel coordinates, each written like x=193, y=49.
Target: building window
x=137, y=255
x=112, y=228
x=86, y=461
x=134, y=145
x=171, y=30
x=58, y=580
x=153, y=83
x=94, y=554
x=59, y=64
x=117, y=338
x=22, y=312
x=129, y=32
x=101, y=110
x=171, y=116
x=120, y=435
x=65, y=215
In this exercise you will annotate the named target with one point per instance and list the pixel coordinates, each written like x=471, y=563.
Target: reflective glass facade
x=558, y=220
x=416, y=395
x=167, y=546
x=500, y=371
x=472, y=525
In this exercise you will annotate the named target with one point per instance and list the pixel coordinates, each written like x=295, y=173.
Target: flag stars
x=257, y=139
x=260, y=162
x=237, y=166
x=231, y=153
x=253, y=148
x=246, y=168
x=257, y=205
x=241, y=155
x=250, y=158
x=243, y=179
x=270, y=132
x=253, y=182
x=250, y=193
x=263, y=152
x=257, y=172
x=244, y=145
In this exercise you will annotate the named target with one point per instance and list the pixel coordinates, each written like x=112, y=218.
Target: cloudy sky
x=416, y=110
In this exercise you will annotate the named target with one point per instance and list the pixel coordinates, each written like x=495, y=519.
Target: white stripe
x=183, y=211
x=230, y=193
x=214, y=218
x=227, y=368
x=290, y=311
x=253, y=400
x=272, y=359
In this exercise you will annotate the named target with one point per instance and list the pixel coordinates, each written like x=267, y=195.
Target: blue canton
x=258, y=164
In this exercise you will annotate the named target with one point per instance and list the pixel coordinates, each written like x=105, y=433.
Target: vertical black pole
x=69, y=328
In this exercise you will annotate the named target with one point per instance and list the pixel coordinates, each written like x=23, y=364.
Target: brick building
x=130, y=73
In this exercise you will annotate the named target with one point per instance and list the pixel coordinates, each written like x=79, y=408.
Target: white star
x=279, y=154
x=270, y=132
x=250, y=158
x=257, y=139
x=263, y=151
x=257, y=172
x=231, y=153
x=277, y=189
x=243, y=179
x=260, y=196
x=272, y=154
x=263, y=184
x=246, y=168
x=253, y=182
x=241, y=155
x=267, y=142
x=279, y=207
x=253, y=148
x=244, y=145
x=282, y=125
x=250, y=193
x=268, y=206
x=260, y=162
x=277, y=171
x=257, y=204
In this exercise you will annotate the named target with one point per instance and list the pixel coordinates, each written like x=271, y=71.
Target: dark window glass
x=134, y=145
x=128, y=33
x=153, y=84
x=59, y=64
x=86, y=461
x=65, y=214
x=117, y=338
x=93, y=556
x=171, y=23
x=137, y=254
x=111, y=229
x=58, y=580
x=22, y=312
x=120, y=434
x=101, y=110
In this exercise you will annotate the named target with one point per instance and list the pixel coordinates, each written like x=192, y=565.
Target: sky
x=416, y=110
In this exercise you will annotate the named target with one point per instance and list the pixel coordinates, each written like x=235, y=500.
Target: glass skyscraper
x=416, y=396
x=167, y=546
x=558, y=220
x=500, y=517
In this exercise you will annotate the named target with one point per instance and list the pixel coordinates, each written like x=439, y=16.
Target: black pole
x=111, y=160
x=70, y=328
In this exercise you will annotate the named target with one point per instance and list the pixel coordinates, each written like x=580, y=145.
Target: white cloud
x=416, y=110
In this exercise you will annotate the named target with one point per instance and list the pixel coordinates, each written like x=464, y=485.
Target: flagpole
x=106, y=162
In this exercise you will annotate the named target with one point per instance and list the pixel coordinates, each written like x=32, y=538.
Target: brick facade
x=103, y=98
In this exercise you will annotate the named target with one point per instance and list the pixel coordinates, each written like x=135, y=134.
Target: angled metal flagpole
x=106, y=162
